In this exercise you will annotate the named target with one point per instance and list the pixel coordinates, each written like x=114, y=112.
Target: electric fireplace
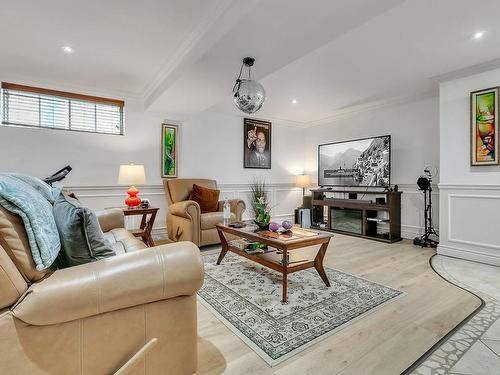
x=346, y=220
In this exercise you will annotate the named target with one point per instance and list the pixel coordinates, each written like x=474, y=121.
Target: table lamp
x=132, y=174
x=303, y=181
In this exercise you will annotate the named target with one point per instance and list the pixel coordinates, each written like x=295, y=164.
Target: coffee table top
x=296, y=238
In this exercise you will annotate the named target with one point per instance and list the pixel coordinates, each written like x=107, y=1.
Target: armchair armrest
x=111, y=218
x=114, y=283
x=237, y=207
x=186, y=209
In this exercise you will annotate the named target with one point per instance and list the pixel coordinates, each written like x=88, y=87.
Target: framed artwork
x=484, y=127
x=169, y=142
x=256, y=144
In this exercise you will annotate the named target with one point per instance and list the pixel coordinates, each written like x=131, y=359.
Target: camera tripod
x=425, y=240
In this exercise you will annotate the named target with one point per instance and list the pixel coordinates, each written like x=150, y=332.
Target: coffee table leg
x=318, y=263
x=223, y=242
x=284, y=263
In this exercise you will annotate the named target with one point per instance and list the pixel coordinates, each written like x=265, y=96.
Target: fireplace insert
x=346, y=220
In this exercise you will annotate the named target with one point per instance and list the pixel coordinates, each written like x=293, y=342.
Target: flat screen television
x=359, y=162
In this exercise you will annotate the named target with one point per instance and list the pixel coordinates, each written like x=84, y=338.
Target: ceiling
x=118, y=45
x=181, y=57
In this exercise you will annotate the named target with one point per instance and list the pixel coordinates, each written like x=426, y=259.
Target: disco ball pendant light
x=248, y=95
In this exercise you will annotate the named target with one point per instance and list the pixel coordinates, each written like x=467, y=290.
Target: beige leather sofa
x=185, y=222
x=134, y=313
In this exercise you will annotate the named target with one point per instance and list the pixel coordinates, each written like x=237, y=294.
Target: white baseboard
x=159, y=233
x=408, y=231
x=468, y=254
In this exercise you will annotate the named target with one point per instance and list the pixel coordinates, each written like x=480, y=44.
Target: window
x=43, y=108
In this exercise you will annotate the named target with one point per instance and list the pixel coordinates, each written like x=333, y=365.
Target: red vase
x=133, y=200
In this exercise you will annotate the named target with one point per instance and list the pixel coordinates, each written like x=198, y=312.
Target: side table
x=146, y=226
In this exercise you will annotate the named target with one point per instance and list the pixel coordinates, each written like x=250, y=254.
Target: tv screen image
x=360, y=162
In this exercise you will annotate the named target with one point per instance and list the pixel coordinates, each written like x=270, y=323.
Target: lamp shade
x=132, y=174
x=303, y=181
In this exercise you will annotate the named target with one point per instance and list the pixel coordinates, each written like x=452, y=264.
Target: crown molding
x=224, y=15
x=278, y=120
x=374, y=105
x=344, y=113
x=31, y=81
x=467, y=71
x=186, y=46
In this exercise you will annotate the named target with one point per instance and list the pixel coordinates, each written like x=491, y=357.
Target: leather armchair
x=134, y=313
x=185, y=222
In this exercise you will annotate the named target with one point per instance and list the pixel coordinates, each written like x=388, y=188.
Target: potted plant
x=260, y=203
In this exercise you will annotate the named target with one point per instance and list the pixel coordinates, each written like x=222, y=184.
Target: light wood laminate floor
x=386, y=341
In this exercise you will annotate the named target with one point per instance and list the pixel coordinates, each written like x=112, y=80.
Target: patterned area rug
x=246, y=297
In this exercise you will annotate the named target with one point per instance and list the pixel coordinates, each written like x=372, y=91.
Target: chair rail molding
x=285, y=197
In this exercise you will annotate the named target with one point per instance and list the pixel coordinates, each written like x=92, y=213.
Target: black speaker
x=307, y=201
x=380, y=200
x=353, y=196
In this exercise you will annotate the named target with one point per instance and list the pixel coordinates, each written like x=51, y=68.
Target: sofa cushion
x=208, y=199
x=14, y=240
x=123, y=241
x=12, y=284
x=210, y=219
x=81, y=236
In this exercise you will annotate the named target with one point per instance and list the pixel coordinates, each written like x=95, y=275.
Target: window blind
x=44, y=108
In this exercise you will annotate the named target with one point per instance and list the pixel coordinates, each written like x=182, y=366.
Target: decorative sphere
x=287, y=224
x=249, y=96
x=273, y=227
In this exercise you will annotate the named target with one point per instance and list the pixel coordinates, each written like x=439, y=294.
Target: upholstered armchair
x=185, y=222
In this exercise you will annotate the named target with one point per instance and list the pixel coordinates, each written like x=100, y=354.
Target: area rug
x=246, y=297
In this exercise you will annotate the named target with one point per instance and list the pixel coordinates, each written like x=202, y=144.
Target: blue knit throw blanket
x=32, y=200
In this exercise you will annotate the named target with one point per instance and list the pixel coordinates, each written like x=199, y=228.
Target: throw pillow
x=208, y=199
x=82, y=240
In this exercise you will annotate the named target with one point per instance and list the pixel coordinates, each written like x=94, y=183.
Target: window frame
x=63, y=95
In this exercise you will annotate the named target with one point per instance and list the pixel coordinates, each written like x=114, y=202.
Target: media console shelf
x=368, y=214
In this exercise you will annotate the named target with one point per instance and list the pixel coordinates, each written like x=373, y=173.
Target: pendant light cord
x=238, y=80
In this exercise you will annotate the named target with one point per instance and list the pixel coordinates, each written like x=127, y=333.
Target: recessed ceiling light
x=479, y=35
x=294, y=101
x=67, y=49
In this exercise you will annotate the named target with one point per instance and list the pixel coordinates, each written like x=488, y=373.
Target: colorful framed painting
x=170, y=141
x=256, y=144
x=484, y=127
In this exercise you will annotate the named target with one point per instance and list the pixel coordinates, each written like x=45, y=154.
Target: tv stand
x=365, y=217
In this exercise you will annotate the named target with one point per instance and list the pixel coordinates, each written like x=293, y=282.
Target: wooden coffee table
x=279, y=260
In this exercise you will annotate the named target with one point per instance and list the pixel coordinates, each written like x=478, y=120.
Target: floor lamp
x=303, y=181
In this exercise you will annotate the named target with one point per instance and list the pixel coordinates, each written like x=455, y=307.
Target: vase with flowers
x=260, y=203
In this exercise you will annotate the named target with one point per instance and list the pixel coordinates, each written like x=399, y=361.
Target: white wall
x=469, y=196
x=414, y=131
x=95, y=158
x=210, y=146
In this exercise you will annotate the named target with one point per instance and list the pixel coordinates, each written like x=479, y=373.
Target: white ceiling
x=119, y=45
x=182, y=56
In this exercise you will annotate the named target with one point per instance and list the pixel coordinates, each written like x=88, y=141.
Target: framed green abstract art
x=484, y=127
x=169, y=142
